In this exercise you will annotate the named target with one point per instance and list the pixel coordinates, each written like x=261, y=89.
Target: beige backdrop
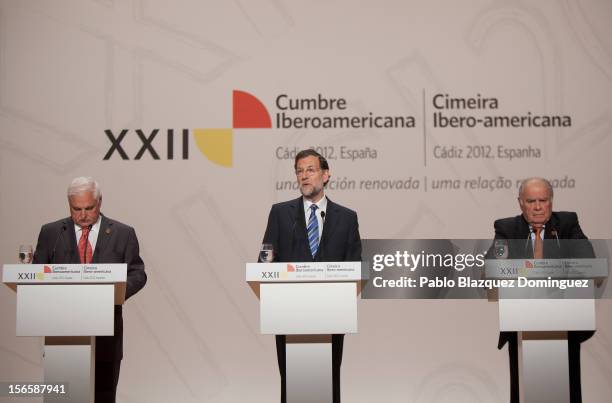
x=69, y=69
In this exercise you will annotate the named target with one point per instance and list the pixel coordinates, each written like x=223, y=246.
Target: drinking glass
x=25, y=254
x=266, y=253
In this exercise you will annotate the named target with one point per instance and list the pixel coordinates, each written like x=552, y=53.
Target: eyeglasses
x=309, y=171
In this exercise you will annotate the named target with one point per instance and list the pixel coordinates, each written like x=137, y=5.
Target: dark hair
x=311, y=153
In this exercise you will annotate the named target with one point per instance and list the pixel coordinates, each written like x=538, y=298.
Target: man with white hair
x=87, y=236
x=541, y=233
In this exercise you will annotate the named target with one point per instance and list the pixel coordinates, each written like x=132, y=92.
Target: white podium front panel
x=308, y=308
x=523, y=315
x=65, y=310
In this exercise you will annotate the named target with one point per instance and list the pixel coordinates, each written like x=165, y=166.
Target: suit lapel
x=550, y=233
x=522, y=229
x=552, y=226
x=70, y=242
x=331, y=218
x=106, y=230
x=298, y=215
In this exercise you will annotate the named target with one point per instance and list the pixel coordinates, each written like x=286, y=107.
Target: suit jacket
x=286, y=231
x=117, y=243
x=563, y=237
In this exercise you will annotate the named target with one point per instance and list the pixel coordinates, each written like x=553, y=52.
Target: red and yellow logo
x=215, y=144
x=248, y=113
x=41, y=274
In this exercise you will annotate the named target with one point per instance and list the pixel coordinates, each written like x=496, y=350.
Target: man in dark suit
x=541, y=233
x=90, y=237
x=312, y=228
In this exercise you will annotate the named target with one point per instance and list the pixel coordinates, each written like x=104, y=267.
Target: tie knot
x=538, y=231
x=85, y=230
x=314, y=207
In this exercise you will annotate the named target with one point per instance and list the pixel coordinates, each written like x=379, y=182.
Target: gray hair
x=84, y=184
x=524, y=183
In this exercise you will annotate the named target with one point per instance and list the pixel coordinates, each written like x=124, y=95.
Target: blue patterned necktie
x=313, y=230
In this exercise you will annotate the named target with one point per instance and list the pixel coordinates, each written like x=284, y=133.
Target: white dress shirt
x=532, y=235
x=322, y=206
x=93, y=234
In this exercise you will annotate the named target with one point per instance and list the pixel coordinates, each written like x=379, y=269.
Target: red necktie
x=85, y=252
x=538, y=249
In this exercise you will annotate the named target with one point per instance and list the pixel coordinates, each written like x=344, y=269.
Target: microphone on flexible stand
x=553, y=232
x=320, y=246
x=528, y=237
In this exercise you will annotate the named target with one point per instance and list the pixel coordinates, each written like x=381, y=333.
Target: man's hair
x=311, y=153
x=84, y=184
x=524, y=183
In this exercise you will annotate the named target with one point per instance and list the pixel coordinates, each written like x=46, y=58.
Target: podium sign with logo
x=67, y=304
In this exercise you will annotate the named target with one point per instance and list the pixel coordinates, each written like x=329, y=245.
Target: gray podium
x=542, y=316
x=308, y=302
x=67, y=304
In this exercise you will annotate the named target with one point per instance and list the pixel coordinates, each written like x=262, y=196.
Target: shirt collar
x=532, y=231
x=94, y=228
x=321, y=204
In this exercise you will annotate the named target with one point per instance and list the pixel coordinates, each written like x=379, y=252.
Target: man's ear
x=326, y=177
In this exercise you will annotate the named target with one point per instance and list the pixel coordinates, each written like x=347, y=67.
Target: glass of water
x=266, y=253
x=25, y=254
x=501, y=249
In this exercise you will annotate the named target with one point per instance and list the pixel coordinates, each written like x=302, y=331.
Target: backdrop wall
x=439, y=108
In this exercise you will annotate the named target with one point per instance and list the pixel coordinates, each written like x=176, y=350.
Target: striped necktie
x=85, y=252
x=313, y=230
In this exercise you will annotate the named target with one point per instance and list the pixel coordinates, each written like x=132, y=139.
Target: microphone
x=528, y=237
x=60, y=235
x=553, y=232
x=320, y=245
